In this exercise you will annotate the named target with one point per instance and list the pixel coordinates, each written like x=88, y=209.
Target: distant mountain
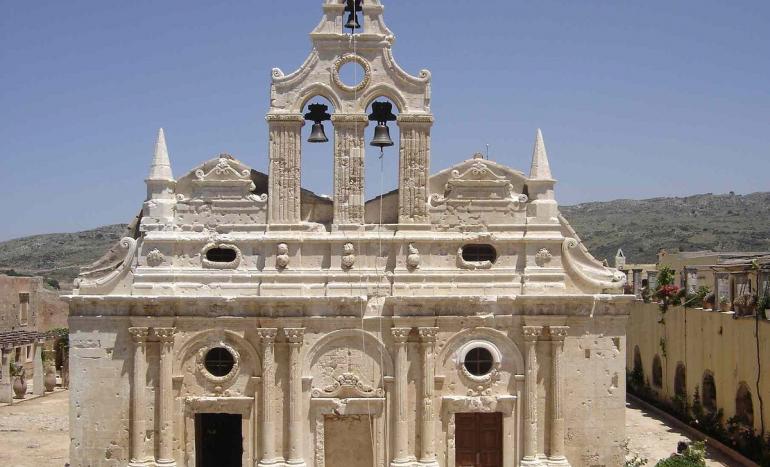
x=701, y=222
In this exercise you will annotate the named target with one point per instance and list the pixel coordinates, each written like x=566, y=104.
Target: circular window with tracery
x=478, y=361
x=218, y=363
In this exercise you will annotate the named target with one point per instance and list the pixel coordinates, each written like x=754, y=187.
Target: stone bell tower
x=333, y=47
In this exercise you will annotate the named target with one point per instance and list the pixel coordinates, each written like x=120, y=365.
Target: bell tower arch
x=334, y=47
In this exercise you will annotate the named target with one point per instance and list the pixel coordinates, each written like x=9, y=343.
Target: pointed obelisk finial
x=161, y=165
x=541, y=169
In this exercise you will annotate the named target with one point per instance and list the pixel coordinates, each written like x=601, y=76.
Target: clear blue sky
x=635, y=99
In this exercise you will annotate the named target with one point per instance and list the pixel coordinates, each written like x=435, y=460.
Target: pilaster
x=401, y=430
x=269, y=454
x=284, y=182
x=427, y=347
x=138, y=405
x=6, y=382
x=165, y=397
x=349, y=152
x=531, y=336
x=296, y=337
x=556, y=457
x=414, y=166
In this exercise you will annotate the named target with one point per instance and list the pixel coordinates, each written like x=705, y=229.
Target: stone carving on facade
x=282, y=258
x=107, y=275
x=155, y=258
x=218, y=380
x=596, y=275
x=223, y=173
x=543, y=257
x=348, y=385
x=348, y=256
x=413, y=258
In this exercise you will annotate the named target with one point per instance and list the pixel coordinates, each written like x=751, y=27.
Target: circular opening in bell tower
x=352, y=73
x=219, y=361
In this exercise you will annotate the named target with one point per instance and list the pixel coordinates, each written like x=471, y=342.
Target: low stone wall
x=696, y=347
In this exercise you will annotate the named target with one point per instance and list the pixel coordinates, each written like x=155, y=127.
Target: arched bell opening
x=382, y=138
x=318, y=146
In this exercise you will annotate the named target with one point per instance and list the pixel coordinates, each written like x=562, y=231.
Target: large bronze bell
x=318, y=135
x=382, y=136
x=318, y=114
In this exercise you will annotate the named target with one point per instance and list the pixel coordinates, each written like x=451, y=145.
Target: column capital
x=267, y=335
x=400, y=335
x=295, y=336
x=558, y=333
x=165, y=335
x=139, y=334
x=532, y=333
x=427, y=335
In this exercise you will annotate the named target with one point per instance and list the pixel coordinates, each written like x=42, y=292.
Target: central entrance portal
x=479, y=439
x=348, y=441
x=218, y=440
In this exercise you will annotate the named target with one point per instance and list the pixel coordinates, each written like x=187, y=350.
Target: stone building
x=27, y=311
x=458, y=320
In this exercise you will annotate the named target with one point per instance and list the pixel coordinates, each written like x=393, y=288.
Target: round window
x=478, y=361
x=219, y=361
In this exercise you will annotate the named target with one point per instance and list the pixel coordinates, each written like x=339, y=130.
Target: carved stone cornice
x=285, y=118
x=350, y=118
x=426, y=119
x=400, y=335
x=139, y=334
x=532, y=333
x=295, y=336
x=427, y=335
x=558, y=333
x=267, y=335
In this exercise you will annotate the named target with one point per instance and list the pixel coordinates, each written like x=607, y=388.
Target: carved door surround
x=243, y=406
x=507, y=405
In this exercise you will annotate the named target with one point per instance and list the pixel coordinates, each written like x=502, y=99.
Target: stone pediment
x=347, y=385
x=226, y=172
x=478, y=179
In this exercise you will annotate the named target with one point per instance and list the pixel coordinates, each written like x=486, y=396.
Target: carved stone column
x=531, y=335
x=267, y=336
x=285, y=170
x=138, y=383
x=6, y=383
x=401, y=448
x=165, y=397
x=558, y=333
x=349, y=147
x=295, y=336
x=38, y=388
x=414, y=165
x=427, y=345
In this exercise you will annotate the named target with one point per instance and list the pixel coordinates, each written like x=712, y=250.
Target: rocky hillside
x=700, y=222
x=641, y=228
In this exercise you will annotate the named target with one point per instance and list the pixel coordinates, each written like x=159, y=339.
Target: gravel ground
x=35, y=433
x=652, y=439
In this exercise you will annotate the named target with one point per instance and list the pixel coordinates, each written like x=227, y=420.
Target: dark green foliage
x=694, y=456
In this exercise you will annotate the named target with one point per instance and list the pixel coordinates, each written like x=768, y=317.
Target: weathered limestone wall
x=703, y=341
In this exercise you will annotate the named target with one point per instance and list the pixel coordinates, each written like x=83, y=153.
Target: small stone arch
x=370, y=356
x=202, y=338
x=709, y=391
x=657, y=372
x=383, y=90
x=314, y=90
x=744, y=406
x=680, y=380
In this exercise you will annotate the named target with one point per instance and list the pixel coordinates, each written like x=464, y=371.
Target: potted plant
x=724, y=304
x=49, y=380
x=18, y=373
x=709, y=301
x=745, y=304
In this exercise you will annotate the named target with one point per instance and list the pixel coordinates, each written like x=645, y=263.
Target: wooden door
x=479, y=439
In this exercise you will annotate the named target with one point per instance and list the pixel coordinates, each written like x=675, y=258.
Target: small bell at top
x=353, y=7
x=381, y=136
x=318, y=135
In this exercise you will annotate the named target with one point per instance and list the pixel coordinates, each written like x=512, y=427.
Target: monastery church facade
x=244, y=321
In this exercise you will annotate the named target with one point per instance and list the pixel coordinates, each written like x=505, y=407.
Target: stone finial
x=541, y=169
x=161, y=165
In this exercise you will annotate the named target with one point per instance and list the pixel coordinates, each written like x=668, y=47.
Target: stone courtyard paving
x=35, y=434
x=652, y=439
